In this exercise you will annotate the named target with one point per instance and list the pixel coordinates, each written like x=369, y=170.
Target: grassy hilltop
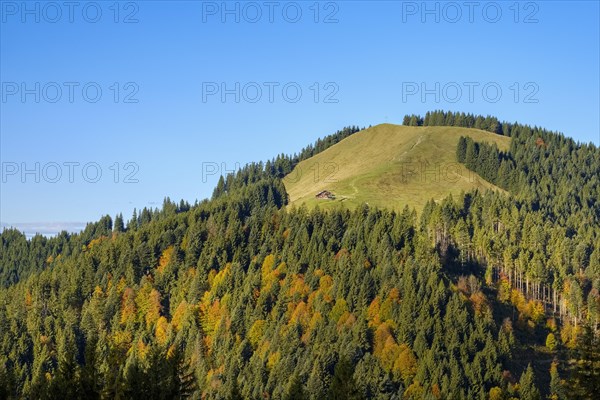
x=389, y=166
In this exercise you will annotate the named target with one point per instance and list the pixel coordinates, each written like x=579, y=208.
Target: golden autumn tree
x=373, y=312
x=179, y=314
x=148, y=303
x=128, y=307
x=406, y=363
x=256, y=332
x=165, y=258
x=161, y=331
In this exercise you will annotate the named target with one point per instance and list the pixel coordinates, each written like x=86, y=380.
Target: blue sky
x=161, y=118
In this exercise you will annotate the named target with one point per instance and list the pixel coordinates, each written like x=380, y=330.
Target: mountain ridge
x=485, y=295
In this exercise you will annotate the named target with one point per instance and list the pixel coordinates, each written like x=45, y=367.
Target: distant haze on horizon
x=48, y=229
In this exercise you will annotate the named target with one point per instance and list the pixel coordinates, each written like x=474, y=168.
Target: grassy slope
x=389, y=166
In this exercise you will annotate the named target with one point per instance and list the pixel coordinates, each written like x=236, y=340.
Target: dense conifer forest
x=491, y=295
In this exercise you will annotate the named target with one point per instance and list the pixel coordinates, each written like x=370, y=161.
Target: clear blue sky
x=368, y=58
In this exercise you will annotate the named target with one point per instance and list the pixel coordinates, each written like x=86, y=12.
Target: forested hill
x=483, y=295
x=20, y=257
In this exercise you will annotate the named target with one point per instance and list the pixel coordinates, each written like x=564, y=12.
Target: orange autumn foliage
x=142, y=349
x=128, y=308
x=301, y=315
x=178, y=315
x=435, y=390
x=95, y=242
x=396, y=358
x=343, y=252
x=298, y=288
x=165, y=258
x=380, y=338
x=479, y=303
x=98, y=292
x=171, y=351
x=346, y=320
x=154, y=308
x=28, y=299
x=161, y=332
x=373, y=312
x=325, y=283
x=406, y=363
x=316, y=319
x=414, y=392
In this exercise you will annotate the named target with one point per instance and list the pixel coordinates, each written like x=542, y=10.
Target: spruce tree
x=527, y=388
x=461, y=149
x=119, y=225
x=343, y=386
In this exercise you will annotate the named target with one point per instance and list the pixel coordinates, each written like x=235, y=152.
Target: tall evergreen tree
x=527, y=388
x=119, y=225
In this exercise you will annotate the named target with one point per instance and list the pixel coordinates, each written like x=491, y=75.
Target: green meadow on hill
x=390, y=166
